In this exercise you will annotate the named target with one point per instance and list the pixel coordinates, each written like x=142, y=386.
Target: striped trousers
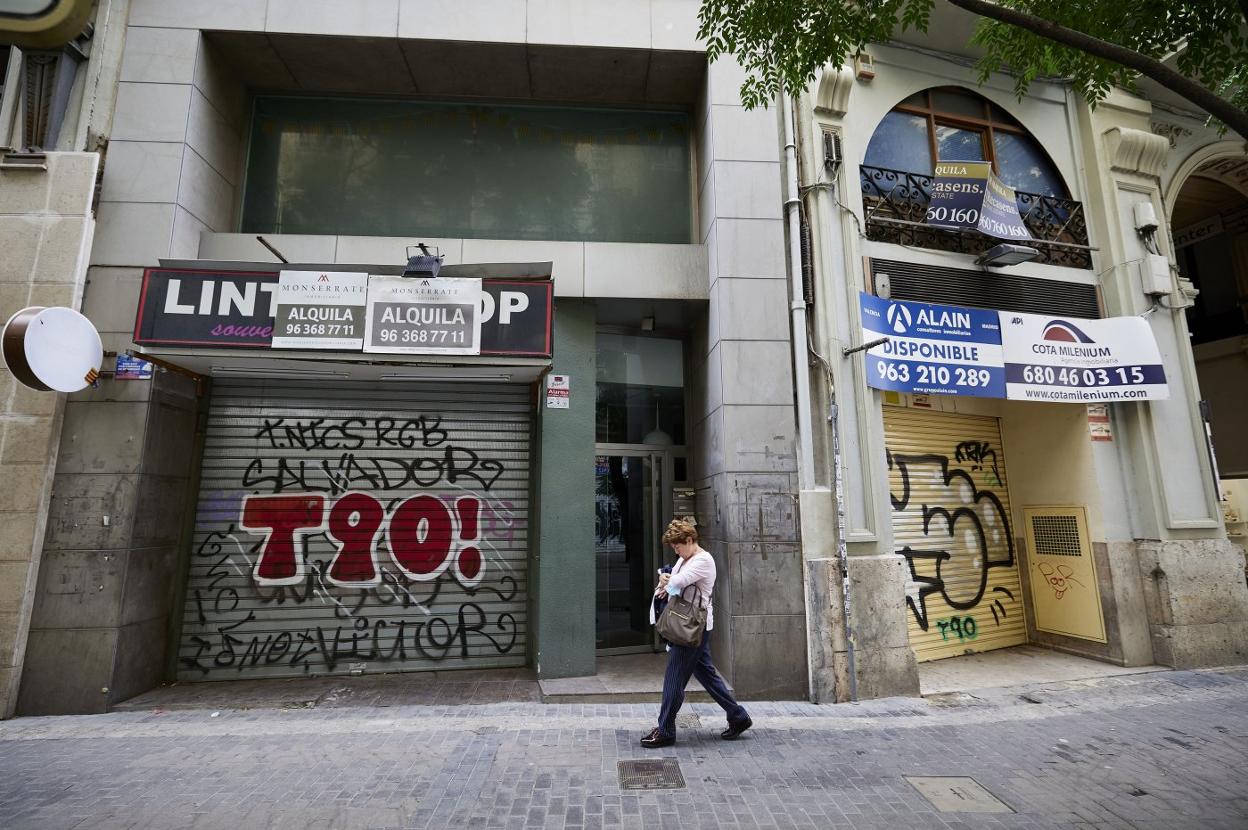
x=684, y=662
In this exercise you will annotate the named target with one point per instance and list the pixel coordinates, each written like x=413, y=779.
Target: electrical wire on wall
x=830, y=187
x=838, y=477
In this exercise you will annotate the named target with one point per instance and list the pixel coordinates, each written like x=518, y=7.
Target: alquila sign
x=344, y=311
x=320, y=310
x=967, y=195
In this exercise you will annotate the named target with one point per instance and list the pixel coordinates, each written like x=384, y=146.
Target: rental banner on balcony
x=967, y=195
x=951, y=350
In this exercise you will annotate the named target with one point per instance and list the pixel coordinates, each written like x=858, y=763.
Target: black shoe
x=735, y=729
x=657, y=740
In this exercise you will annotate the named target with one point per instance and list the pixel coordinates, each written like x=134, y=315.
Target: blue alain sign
x=933, y=349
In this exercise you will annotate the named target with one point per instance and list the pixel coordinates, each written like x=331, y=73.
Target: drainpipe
x=797, y=303
x=845, y=675
x=801, y=373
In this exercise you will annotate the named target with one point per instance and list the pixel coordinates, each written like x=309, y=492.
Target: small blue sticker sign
x=132, y=368
x=933, y=349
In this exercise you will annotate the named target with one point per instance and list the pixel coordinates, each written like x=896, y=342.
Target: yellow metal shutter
x=951, y=522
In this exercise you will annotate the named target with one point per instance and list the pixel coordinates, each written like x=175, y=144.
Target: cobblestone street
x=1161, y=750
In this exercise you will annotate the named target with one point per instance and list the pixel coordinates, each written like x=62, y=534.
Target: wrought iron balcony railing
x=895, y=204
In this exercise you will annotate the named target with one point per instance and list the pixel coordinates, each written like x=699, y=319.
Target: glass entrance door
x=630, y=499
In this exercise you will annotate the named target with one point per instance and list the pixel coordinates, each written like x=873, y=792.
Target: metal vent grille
x=1065, y=590
x=1056, y=535
x=979, y=289
x=661, y=774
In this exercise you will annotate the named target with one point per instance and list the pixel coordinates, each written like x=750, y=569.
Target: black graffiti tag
x=310, y=434
x=943, y=522
x=363, y=628
x=980, y=456
x=351, y=472
x=358, y=466
x=380, y=639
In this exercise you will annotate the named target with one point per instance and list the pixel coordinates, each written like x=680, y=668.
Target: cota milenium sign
x=239, y=309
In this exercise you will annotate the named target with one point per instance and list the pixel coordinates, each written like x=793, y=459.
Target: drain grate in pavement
x=951, y=794
x=660, y=774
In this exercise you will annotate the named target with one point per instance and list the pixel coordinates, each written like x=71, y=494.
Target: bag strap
x=697, y=593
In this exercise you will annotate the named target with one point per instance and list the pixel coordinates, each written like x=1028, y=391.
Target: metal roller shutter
x=353, y=526
x=951, y=522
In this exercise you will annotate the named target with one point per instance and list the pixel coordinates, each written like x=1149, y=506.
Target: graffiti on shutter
x=339, y=534
x=951, y=523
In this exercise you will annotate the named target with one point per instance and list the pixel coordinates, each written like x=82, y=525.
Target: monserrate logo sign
x=317, y=310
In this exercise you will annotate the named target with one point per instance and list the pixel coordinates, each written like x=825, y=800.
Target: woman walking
x=694, y=569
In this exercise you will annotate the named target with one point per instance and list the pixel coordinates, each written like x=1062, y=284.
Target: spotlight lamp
x=1006, y=254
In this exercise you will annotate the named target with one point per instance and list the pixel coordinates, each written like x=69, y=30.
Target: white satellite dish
x=52, y=349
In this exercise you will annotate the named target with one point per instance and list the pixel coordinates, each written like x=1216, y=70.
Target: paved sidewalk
x=1162, y=750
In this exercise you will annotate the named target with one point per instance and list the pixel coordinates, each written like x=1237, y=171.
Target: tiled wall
x=173, y=165
x=744, y=435
x=106, y=581
x=45, y=233
x=580, y=269
x=640, y=24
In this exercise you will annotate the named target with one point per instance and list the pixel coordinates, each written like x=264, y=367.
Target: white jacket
x=698, y=571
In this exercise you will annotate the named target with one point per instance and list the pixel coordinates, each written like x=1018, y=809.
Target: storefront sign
x=206, y=308
x=967, y=195
x=933, y=349
x=423, y=316
x=231, y=309
x=320, y=310
x=949, y=350
x=1081, y=361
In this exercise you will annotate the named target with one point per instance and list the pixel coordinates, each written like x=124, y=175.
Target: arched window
x=954, y=124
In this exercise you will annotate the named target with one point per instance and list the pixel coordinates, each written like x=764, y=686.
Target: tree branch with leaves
x=1095, y=45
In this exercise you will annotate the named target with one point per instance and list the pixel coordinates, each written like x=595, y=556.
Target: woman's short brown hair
x=680, y=531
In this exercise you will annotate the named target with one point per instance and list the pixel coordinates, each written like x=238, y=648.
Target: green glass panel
x=399, y=168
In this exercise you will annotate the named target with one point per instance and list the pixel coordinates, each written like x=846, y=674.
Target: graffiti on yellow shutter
x=951, y=523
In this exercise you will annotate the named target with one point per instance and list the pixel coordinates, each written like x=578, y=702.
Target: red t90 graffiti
x=425, y=537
